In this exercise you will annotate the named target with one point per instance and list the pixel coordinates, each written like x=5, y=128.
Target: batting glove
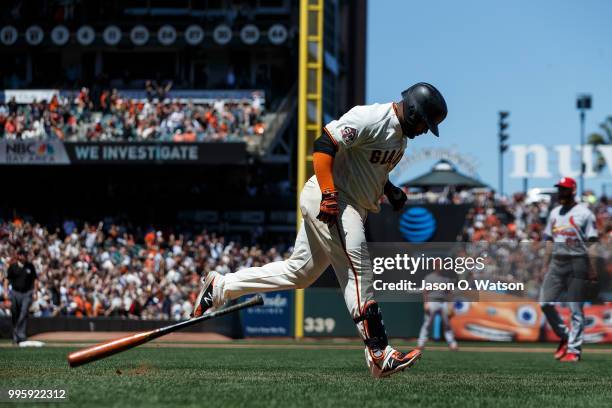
x=396, y=196
x=329, y=210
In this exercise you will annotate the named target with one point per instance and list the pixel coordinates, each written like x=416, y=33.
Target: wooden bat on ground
x=93, y=353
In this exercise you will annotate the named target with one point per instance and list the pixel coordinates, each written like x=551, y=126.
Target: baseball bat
x=102, y=350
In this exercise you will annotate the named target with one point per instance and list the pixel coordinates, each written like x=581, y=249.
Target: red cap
x=567, y=182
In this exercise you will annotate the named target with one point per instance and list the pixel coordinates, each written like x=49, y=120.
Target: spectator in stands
x=107, y=271
x=123, y=119
x=157, y=90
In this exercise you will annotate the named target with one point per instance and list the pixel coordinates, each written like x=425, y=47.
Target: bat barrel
x=109, y=348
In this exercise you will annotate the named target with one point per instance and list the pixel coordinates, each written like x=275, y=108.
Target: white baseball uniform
x=369, y=144
x=568, y=269
x=571, y=230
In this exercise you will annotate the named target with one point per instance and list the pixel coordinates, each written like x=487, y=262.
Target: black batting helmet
x=428, y=102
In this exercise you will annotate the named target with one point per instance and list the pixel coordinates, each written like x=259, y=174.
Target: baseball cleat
x=453, y=347
x=570, y=358
x=561, y=350
x=391, y=361
x=204, y=302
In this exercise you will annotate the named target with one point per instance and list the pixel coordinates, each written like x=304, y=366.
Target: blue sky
x=529, y=57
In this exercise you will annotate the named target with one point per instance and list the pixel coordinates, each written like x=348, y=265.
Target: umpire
x=21, y=275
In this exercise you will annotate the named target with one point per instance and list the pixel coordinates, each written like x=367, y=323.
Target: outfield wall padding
x=229, y=326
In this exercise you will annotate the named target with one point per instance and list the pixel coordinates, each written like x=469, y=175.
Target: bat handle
x=257, y=300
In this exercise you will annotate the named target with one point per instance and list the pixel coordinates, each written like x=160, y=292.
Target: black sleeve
x=323, y=144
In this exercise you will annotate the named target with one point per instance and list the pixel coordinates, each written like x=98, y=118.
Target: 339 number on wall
x=319, y=324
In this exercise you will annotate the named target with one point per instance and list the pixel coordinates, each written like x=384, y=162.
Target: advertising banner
x=524, y=321
x=417, y=223
x=274, y=318
x=23, y=152
x=326, y=315
x=156, y=153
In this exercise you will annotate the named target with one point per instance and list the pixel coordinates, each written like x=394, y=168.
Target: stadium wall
x=229, y=326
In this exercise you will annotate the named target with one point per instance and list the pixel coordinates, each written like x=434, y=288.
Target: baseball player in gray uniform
x=570, y=226
x=352, y=161
x=436, y=301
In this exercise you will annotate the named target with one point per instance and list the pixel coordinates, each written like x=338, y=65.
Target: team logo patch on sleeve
x=349, y=135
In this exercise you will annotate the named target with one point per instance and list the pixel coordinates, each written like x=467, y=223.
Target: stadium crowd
x=113, y=117
x=517, y=219
x=114, y=270
x=111, y=270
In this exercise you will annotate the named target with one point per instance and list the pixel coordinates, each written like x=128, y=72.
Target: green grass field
x=204, y=377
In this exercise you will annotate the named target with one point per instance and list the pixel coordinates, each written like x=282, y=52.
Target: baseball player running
x=434, y=302
x=570, y=226
x=352, y=161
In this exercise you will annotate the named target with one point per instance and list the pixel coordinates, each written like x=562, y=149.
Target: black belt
x=23, y=292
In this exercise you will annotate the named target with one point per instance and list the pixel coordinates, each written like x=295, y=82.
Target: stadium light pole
x=583, y=103
x=503, y=125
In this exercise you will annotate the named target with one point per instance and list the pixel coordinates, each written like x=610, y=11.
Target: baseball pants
x=316, y=247
x=20, y=307
x=434, y=308
x=566, y=274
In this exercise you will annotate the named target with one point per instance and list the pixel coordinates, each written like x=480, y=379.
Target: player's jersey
x=570, y=231
x=370, y=143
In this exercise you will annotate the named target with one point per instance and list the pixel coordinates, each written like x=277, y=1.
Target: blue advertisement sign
x=274, y=318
